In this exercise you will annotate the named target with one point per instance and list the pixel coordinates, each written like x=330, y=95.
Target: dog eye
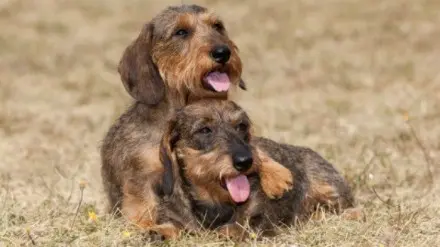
x=218, y=26
x=181, y=33
x=242, y=127
x=204, y=130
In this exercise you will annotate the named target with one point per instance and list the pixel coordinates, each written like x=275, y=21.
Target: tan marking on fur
x=275, y=178
x=208, y=18
x=186, y=20
x=167, y=230
x=140, y=210
x=323, y=193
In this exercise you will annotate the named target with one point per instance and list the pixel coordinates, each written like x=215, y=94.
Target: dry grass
x=358, y=81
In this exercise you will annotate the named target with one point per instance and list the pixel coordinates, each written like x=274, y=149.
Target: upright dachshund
x=183, y=55
x=200, y=150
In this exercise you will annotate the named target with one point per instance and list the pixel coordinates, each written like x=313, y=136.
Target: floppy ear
x=167, y=158
x=242, y=84
x=139, y=74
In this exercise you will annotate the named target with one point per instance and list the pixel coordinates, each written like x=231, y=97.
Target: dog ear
x=242, y=85
x=139, y=74
x=167, y=157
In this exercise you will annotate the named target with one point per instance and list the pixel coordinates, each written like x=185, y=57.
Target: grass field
x=356, y=80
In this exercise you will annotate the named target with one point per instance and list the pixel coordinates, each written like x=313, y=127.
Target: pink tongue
x=238, y=188
x=219, y=81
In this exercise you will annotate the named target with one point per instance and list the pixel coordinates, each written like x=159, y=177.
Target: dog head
x=208, y=142
x=184, y=51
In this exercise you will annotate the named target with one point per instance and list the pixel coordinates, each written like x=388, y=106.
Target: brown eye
x=204, y=130
x=218, y=26
x=181, y=33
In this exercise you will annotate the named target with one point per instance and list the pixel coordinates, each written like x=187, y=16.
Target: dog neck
x=180, y=98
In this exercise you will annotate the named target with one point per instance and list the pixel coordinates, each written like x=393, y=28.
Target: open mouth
x=217, y=81
x=238, y=187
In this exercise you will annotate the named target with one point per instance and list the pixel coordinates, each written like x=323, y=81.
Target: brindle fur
x=163, y=71
x=200, y=160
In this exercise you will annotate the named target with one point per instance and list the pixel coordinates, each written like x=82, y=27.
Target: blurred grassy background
x=358, y=81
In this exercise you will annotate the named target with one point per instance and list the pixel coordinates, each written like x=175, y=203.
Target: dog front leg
x=275, y=178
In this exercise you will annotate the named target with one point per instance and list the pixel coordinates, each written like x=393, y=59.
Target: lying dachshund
x=210, y=157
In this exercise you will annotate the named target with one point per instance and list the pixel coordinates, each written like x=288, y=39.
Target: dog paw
x=275, y=178
x=165, y=231
x=355, y=214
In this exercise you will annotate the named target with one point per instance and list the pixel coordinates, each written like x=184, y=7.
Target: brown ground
x=358, y=81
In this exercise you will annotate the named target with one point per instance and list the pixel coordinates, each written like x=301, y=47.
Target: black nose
x=242, y=161
x=221, y=54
